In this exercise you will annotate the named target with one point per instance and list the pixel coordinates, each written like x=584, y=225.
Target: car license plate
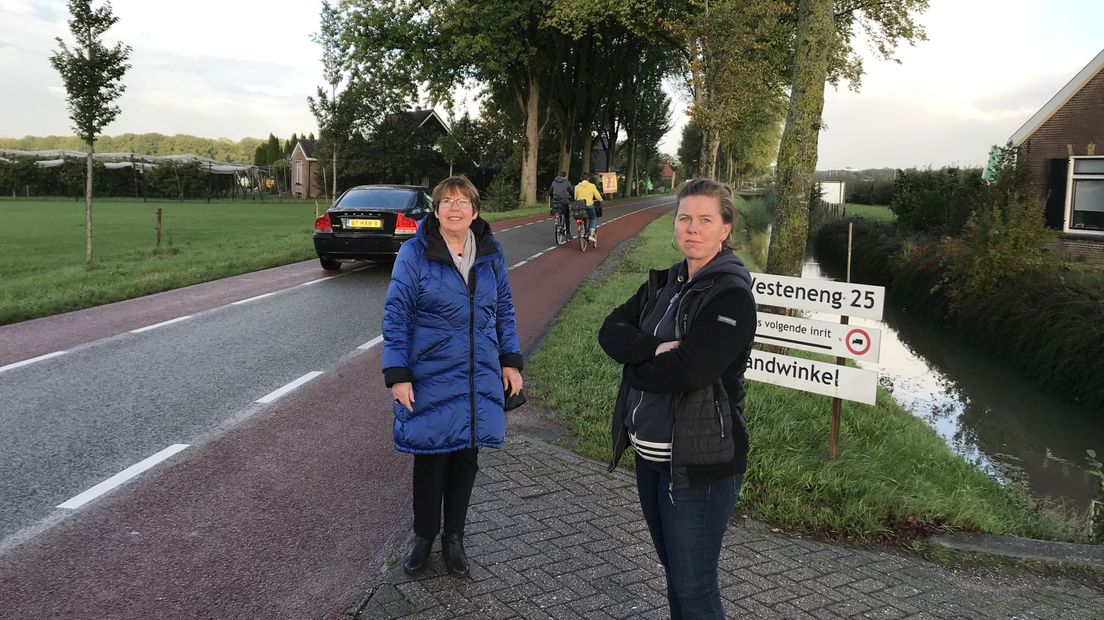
x=362, y=223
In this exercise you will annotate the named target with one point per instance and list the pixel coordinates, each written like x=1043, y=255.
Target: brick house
x=304, y=166
x=1060, y=145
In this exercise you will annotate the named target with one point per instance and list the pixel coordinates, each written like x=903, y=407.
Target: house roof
x=307, y=148
x=421, y=117
x=1057, y=101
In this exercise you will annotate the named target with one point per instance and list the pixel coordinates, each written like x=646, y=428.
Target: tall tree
x=328, y=110
x=93, y=78
x=439, y=46
x=823, y=53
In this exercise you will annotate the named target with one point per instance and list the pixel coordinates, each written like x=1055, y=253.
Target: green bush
x=870, y=192
x=1044, y=321
x=936, y=201
x=501, y=195
x=1002, y=238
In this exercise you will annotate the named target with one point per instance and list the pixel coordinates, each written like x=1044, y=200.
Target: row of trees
x=271, y=152
x=220, y=149
x=571, y=72
x=21, y=177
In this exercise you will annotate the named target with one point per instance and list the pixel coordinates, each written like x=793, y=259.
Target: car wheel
x=329, y=265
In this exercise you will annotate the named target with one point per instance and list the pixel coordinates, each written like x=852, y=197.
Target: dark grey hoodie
x=561, y=189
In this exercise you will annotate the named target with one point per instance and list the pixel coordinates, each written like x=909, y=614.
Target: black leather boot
x=456, y=559
x=419, y=552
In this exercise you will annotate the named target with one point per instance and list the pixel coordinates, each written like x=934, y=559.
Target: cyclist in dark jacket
x=684, y=340
x=561, y=193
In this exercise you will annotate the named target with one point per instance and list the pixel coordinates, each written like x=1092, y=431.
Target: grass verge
x=894, y=478
x=877, y=213
x=42, y=269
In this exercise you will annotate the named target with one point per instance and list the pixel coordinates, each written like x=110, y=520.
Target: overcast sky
x=244, y=68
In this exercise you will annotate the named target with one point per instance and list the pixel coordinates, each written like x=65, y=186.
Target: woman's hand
x=511, y=380
x=670, y=345
x=403, y=393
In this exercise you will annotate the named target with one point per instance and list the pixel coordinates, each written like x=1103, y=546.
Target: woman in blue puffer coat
x=450, y=353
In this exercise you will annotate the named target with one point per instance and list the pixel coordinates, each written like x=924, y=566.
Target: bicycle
x=582, y=225
x=562, y=234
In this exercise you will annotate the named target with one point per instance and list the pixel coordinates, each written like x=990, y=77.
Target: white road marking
x=271, y=396
x=245, y=301
x=161, y=324
x=550, y=249
x=537, y=255
x=32, y=360
x=314, y=282
x=371, y=343
x=517, y=265
x=121, y=477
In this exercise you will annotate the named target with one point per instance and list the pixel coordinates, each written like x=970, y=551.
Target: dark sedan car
x=369, y=221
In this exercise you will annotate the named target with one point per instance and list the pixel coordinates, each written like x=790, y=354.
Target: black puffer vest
x=710, y=438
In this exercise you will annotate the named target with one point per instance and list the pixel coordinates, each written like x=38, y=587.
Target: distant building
x=304, y=166
x=598, y=162
x=832, y=192
x=668, y=176
x=1059, y=145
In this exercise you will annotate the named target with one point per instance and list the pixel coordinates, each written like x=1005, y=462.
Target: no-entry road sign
x=861, y=343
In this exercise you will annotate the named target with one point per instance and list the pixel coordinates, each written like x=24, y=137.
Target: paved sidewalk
x=553, y=536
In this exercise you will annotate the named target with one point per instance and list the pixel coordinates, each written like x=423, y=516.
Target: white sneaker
x=593, y=236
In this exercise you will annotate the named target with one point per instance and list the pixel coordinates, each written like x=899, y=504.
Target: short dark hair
x=563, y=174
x=714, y=189
x=459, y=183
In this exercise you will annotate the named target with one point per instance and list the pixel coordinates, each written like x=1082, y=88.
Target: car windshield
x=383, y=198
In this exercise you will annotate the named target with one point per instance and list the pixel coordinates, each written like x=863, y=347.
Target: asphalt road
x=280, y=508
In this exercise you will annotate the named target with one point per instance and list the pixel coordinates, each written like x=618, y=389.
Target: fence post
x=158, y=228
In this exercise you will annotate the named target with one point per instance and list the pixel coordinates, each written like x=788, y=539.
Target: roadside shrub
x=936, y=201
x=870, y=191
x=1002, y=239
x=758, y=212
x=1044, y=321
x=501, y=195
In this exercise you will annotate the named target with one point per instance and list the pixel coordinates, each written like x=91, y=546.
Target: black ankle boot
x=419, y=552
x=456, y=560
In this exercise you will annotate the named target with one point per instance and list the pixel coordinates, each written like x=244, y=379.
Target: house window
x=1085, y=195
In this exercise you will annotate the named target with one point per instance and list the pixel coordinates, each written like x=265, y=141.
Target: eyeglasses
x=463, y=203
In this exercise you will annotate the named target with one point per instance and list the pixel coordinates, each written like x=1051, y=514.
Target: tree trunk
x=565, y=151
x=797, y=154
x=707, y=158
x=88, y=208
x=333, y=195
x=588, y=144
x=528, y=192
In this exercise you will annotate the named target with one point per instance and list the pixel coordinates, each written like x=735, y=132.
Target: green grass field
x=894, y=476
x=871, y=212
x=42, y=269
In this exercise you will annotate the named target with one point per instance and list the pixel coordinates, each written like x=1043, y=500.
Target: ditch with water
x=986, y=412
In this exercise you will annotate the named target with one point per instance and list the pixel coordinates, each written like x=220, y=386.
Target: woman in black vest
x=684, y=340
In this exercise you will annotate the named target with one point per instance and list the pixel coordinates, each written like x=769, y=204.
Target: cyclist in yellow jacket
x=588, y=193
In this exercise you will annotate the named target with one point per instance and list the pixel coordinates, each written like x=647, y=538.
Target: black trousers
x=443, y=480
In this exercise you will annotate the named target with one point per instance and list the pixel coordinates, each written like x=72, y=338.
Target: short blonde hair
x=458, y=183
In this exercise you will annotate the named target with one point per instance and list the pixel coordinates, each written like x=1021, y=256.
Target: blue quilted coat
x=451, y=341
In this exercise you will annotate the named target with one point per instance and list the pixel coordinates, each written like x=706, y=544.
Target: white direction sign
x=854, y=341
x=811, y=376
x=818, y=295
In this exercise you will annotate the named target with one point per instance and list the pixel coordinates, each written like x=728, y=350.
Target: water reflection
x=987, y=413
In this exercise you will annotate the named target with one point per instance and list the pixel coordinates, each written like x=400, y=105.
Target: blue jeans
x=687, y=527
x=593, y=217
